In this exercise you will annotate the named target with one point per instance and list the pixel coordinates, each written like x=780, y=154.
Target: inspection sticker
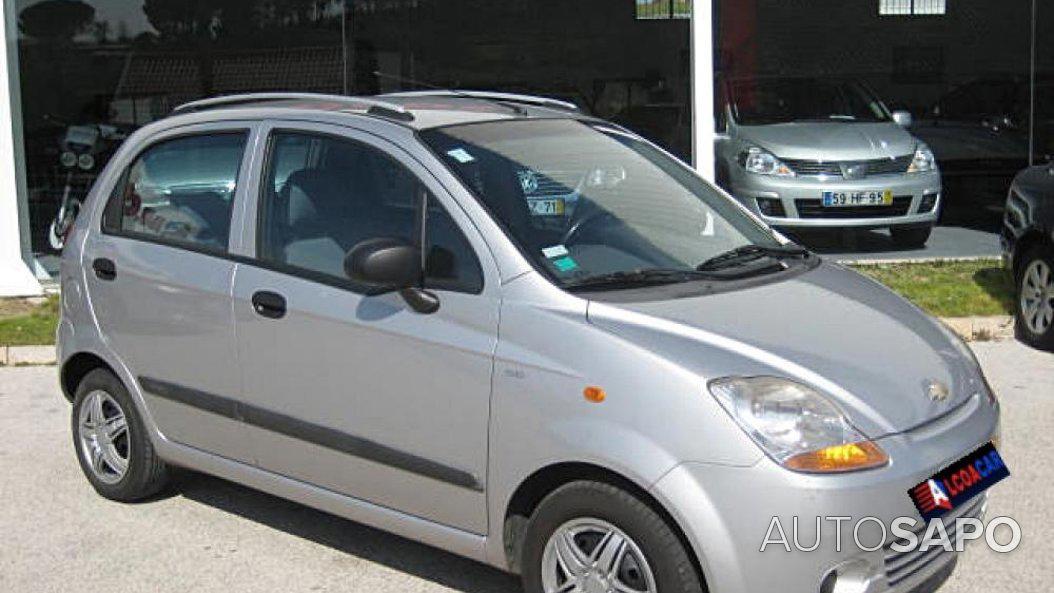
x=565, y=264
x=554, y=251
x=461, y=155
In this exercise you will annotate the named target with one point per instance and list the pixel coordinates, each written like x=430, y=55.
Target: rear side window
x=180, y=191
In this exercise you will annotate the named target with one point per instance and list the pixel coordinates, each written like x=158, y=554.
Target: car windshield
x=764, y=101
x=586, y=200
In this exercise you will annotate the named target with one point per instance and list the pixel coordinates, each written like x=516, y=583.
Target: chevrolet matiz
x=507, y=329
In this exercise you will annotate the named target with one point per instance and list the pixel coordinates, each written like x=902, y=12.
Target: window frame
x=420, y=209
x=246, y=131
x=914, y=8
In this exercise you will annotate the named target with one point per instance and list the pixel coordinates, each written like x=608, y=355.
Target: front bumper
x=727, y=513
x=800, y=197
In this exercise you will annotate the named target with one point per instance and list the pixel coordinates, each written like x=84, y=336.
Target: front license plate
x=550, y=207
x=959, y=482
x=836, y=199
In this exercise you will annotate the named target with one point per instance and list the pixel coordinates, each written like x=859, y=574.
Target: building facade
x=88, y=72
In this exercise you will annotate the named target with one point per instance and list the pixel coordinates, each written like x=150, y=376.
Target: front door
x=354, y=393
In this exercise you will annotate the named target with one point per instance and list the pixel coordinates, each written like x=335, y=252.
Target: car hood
x=871, y=351
x=831, y=141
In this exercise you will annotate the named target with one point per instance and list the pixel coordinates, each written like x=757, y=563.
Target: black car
x=1028, y=248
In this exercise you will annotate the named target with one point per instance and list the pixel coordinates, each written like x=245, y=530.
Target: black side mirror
x=390, y=264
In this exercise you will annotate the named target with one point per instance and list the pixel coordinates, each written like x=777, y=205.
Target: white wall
x=15, y=276
x=703, y=87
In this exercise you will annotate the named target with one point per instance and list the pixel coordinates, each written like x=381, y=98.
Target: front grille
x=802, y=167
x=903, y=565
x=889, y=166
x=815, y=209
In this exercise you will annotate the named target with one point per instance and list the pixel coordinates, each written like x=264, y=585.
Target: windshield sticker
x=554, y=251
x=461, y=155
x=565, y=264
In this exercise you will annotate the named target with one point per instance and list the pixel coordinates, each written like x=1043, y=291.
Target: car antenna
x=403, y=79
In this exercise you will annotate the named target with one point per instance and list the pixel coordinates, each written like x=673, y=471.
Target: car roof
x=417, y=110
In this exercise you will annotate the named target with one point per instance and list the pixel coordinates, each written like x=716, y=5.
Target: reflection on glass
x=961, y=69
x=125, y=63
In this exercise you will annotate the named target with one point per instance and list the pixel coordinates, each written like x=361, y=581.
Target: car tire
x=111, y=442
x=1027, y=327
x=586, y=522
x=913, y=236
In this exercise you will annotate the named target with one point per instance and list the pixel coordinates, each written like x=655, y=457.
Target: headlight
x=795, y=425
x=68, y=159
x=756, y=160
x=924, y=160
x=86, y=162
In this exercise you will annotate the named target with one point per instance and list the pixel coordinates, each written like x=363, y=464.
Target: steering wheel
x=588, y=220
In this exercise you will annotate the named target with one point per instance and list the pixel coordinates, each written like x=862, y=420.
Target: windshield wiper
x=746, y=253
x=638, y=278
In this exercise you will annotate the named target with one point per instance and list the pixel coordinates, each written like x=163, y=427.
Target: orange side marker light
x=594, y=394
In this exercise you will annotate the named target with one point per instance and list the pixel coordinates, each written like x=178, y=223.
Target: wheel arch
x=532, y=490
x=76, y=367
x=1030, y=240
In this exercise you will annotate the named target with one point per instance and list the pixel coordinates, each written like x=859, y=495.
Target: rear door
x=160, y=279
x=354, y=391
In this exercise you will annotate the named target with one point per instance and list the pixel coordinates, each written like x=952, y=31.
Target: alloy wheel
x=1037, y=297
x=594, y=556
x=103, y=430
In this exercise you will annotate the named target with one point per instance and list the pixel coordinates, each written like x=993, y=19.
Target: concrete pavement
x=209, y=535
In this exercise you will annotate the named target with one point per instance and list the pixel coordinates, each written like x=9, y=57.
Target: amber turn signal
x=594, y=394
x=839, y=458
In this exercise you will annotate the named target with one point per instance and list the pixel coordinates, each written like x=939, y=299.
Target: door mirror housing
x=903, y=118
x=391, y=264
x=386, y=263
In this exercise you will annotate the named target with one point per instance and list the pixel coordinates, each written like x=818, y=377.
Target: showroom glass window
x=961, y=68
x=115, y=65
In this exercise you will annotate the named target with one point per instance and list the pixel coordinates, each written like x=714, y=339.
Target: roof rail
x=493, y=96
x=375, y=106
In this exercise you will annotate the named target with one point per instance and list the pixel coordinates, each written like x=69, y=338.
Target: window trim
x=420, y=218
x=122, y=180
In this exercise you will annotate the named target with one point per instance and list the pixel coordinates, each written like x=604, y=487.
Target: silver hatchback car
x=506, y=329
x=809, y=153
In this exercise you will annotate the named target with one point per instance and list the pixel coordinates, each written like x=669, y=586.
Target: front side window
x=585, y=200
x=180, y=191
x=323, y=195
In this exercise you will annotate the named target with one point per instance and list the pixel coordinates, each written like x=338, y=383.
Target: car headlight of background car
x=924, y=160
x=795, y=425
x=762, y=162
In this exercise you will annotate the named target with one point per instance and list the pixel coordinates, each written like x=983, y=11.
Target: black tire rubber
x=670, y=562
x=1044, y=341
x=914, y=236
x=147, y=474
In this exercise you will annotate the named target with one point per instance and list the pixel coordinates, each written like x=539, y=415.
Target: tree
x=57, y=20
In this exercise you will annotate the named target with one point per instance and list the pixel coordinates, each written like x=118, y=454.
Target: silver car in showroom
x=807, y=153
x=509, y=330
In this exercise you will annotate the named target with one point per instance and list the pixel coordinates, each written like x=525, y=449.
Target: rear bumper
x=799, y=198
x=727, y=513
